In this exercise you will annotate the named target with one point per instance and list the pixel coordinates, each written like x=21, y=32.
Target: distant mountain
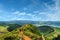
x=19, y=22
x=37, y=23
x=52, y=23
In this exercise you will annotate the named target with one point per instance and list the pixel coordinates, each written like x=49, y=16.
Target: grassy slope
x=53, y=34
x=3, y=28
x=49, y=32
x=3, y=31
x=31, y=31
x=44, y=30
x=57, y=30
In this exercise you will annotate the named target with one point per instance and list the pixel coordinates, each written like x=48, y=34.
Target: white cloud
x=32, y=15
x=56, y=9
x=16, y=18
x=16, y=12
x=29, y=14
x=34, y=19
x=23, y=13
x=53, y=12
x=19, y=13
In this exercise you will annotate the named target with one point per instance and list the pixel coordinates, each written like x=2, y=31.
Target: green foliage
x=13, y=27
x=29, y=30
x=3, y=29
x=57, y=30
x=9, y=38
x=53, y=35
x=44, y=30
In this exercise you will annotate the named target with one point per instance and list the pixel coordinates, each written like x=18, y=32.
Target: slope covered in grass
x=3, y=28
x=45, y=29
x=29, y=31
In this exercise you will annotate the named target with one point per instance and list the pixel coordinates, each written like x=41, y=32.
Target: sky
x=36, y=10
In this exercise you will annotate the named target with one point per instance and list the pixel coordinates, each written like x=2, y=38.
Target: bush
x=9, y=38
x=13, y=27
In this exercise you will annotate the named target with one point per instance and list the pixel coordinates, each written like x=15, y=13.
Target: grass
x=30, y=31
x=3, y=29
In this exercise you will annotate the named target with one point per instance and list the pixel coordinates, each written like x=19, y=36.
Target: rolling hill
x=12, y=30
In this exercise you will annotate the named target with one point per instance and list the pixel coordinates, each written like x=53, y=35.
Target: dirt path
x=24, y=36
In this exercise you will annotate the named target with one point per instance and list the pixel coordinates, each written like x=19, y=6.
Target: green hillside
x=17, y=32
x=27, y=29
x=31, y=31
x=45, y=29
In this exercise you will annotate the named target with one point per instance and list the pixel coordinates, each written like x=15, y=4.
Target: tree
x=12, y=27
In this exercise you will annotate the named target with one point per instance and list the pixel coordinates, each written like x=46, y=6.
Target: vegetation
x=12, y=27
x=30, y=31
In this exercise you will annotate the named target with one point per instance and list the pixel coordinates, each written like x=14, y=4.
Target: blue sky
x=36, y=10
